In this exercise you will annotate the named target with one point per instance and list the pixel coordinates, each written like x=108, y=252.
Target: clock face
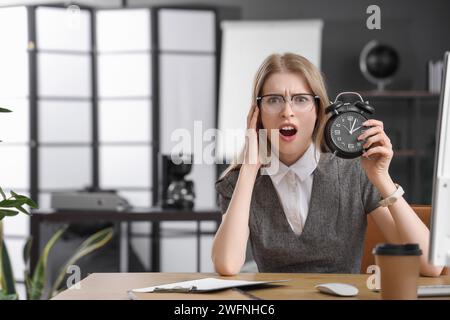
x=345, y=130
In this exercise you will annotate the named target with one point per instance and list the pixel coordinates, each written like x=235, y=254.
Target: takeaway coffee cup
x=399, y=270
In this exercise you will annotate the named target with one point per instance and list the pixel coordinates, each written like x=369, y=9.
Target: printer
x=89, y=199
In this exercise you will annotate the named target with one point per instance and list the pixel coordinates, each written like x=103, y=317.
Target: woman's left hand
x=378, y=155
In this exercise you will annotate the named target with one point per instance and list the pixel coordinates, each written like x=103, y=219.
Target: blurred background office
x=98, y=87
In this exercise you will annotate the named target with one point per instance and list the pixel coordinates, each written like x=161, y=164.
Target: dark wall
x=419, y=30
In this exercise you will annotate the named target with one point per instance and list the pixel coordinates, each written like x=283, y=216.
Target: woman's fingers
x=379, y=150
x=375, y=136
x=373, y=123
x=377, y=142
x=251, y=139
x=380, y=138
x=370, y=132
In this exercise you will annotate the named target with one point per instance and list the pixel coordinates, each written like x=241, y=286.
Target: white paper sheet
x=202, y=285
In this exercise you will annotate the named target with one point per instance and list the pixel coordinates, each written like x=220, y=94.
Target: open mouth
x=288, y=131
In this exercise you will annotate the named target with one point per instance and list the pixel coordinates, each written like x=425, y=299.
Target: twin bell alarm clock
x=345, y=126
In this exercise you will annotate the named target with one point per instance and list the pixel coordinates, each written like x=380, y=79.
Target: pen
x=175, y=289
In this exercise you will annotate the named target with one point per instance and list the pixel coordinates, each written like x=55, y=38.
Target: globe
x=379, y=63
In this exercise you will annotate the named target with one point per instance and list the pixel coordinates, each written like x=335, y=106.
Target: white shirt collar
x=303, y=167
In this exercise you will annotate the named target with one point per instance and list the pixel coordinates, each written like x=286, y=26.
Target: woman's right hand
x=251, y=154
x=230, y=243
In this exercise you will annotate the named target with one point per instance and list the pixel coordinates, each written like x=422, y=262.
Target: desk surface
x=114, y=286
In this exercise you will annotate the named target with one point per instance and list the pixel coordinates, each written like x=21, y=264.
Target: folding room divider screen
x=95, y=95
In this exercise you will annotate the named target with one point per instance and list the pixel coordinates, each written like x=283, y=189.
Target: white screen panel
x=124, y=75
x=203, y=176
x=125, y=166
x=65, y=121
x=68, y=167
x=18, y=225
x=115, y=127
x=64, y=75
x=168, y=227
x=187, y=95
x=142, y=247
x=44, y=200
x=13, y=74
x=14, y=126
x=244, y=47
x=206, y=264
x=141, y=227
x=123, y=30
x=188, y=103
x=178, y=254
x=14, y=29
x=13, y=55
x=18, y=167
x=21, y=291
x=187, y=30
x=63, y=29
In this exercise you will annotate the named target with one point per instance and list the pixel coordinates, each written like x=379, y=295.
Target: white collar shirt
x=294, y=186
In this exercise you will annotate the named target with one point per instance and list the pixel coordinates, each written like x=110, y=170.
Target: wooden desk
x=114, y=286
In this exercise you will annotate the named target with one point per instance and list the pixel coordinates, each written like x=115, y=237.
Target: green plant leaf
x=17, y=204
x=8, y=281
x=26, y=258
x=5, y=110
x=94, y=242
x=27, y=200
x=7, y=212
x=4, y=296
x=27, y=250
x=12, y=203
x=27, y=283
x=23, y=210
x=2, y=281
x=2, y=193
x=39, y=275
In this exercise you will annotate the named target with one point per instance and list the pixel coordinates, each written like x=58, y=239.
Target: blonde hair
x=291, y=62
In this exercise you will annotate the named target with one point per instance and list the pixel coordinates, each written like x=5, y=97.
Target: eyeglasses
x=274, y=103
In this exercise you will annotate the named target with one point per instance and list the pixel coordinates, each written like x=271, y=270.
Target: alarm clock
x=345, y=126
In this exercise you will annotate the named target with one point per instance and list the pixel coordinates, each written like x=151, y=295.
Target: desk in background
x=154, y=215
x=114, y=286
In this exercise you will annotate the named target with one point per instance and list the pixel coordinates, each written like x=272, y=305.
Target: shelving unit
x=409, y=119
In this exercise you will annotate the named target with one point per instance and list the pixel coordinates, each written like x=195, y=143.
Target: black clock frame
x=339, y=108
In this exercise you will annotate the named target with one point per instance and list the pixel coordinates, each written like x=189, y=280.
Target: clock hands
x=355, y=129
x=347, y=129
x=351, y=130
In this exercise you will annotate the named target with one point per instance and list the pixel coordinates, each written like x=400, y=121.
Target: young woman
x=308, y=215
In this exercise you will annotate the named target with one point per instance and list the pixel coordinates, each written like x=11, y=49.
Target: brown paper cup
x=399, y=268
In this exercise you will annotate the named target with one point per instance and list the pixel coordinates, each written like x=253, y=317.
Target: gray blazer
x=332, y=239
